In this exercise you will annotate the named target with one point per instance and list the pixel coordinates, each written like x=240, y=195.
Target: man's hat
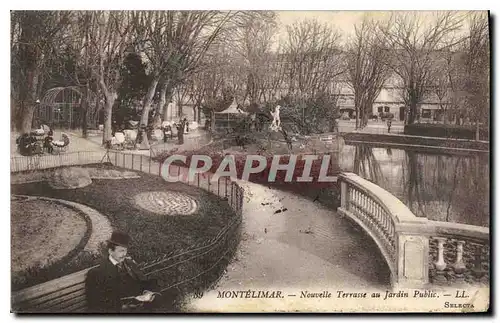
x=119, y=238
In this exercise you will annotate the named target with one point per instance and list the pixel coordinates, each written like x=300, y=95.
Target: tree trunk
x=412, y=113
x=148, y=99
x=28, y=104
x=27, y=117
x=168, y=99
x=146, y=107
x=194, y=114
x=357, y=116
x=180, y=132
x=165, y=97
x=477, y=130
x=108, y=111
x=212, y=120
x=84, y=107
x=179, y=109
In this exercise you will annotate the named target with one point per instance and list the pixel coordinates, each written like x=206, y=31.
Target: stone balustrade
x=418, y=252
x=459, y=254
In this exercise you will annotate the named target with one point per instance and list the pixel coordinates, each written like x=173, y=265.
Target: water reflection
x=442, y=187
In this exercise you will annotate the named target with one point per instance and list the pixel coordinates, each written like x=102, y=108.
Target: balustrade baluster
x=355, y=201
x=459, y=266
x=440, y=264
x=478, y=272
x=369, y=208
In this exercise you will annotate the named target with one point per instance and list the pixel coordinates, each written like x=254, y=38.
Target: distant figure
x=389, y=124
x=336, y=125
x=276, y=124
x=47, y=143
x=167, y=131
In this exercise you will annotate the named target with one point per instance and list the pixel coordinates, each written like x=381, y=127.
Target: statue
x=276, y=124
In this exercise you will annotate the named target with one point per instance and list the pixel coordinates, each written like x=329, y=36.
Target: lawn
x=34, y=225
x=153, y=234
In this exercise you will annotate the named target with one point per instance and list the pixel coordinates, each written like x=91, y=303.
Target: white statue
x=276, y=124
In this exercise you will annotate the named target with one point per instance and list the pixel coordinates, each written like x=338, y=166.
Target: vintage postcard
x=250, y=161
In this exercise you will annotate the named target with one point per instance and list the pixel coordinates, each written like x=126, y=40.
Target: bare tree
x=475, y=83
x=366, y=58
x=251, y=42
x=174, y=43
x=208, y=83
x=413, y=44
x=313, y=65
x=273, y=80
x=73, y=63
x=109, y=37
x=312, y=51
x=34, y=36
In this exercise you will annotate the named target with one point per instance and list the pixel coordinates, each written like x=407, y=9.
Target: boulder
x=70, y=178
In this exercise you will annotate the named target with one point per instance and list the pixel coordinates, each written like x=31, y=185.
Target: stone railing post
x=412, y=261
x=344, y=194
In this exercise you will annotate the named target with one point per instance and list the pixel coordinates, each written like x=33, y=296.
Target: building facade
x=389, y=101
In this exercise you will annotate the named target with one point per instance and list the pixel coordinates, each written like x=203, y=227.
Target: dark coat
x=106, y=285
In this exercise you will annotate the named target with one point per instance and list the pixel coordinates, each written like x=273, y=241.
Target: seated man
x=27, y=145
x=117, y=285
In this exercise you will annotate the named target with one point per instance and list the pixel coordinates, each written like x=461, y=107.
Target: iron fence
x=170, y=270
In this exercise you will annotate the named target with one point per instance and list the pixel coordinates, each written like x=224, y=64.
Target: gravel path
x=305, y=247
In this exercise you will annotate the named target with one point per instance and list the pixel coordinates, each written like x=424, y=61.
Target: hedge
x=446, y=131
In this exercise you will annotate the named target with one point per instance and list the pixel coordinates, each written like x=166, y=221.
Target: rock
x=70, y=178
x=100, y=173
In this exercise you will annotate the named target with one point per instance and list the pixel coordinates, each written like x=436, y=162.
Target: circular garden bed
x=43, y=233
x=162, y=219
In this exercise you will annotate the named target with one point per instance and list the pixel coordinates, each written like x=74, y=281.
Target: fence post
x=123, y=161
x=133, y=161
x=209, y=178
x=116, y=158
x=226, y=186
x=149, y=172
x=232, y=195
x=141, y=163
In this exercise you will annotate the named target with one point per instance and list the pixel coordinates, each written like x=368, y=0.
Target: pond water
x=442, y=187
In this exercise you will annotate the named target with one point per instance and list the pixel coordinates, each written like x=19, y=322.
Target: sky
x=343, y=21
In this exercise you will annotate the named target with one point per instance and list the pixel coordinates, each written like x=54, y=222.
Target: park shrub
x=446, y=131
x=313, y=189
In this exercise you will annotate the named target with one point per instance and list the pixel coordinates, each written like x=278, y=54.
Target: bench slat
x=55, y=302
x=73, y=304
x=62, y=293
x=64, y=307
x=49, y=287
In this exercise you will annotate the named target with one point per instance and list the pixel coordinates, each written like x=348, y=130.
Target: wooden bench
x=62, y=295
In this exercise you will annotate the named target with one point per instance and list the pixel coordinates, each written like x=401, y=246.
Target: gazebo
x=228, y=118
